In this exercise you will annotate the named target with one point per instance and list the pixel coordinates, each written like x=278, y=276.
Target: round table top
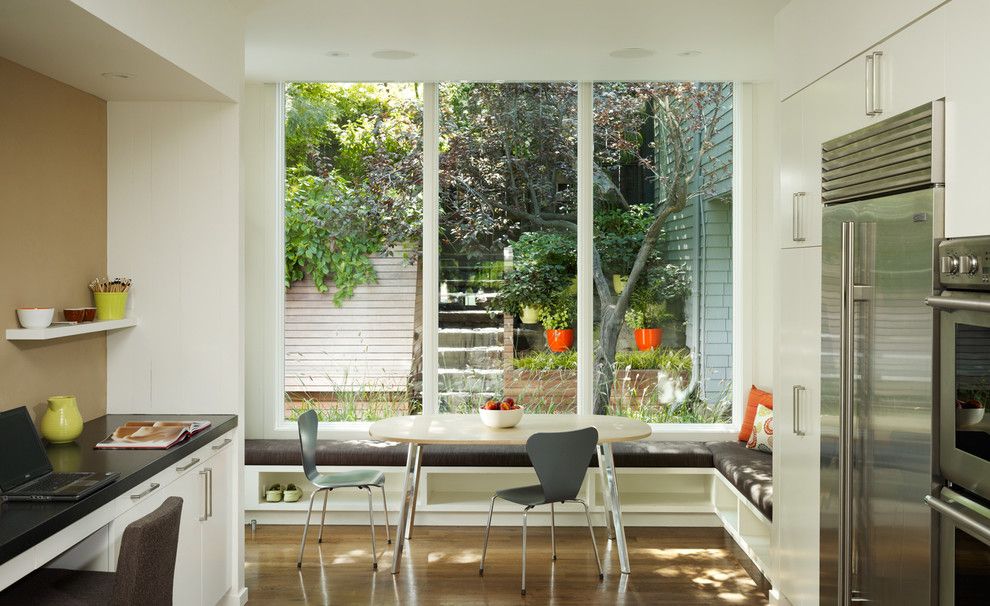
x=468, y=428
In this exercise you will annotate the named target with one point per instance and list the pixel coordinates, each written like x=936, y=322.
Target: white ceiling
x=508, y=39
x=65, y=42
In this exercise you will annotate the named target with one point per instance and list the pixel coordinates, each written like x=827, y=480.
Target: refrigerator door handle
x=846, y=393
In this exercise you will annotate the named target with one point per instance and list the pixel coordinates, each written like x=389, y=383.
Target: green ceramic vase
x=62, y=422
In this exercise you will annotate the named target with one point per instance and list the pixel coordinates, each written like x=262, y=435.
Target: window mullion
x=431, y=247
x=585, y=256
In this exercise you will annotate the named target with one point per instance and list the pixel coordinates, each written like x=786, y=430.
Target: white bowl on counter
x=35, y=317
x=966, y=417
x=501, y=419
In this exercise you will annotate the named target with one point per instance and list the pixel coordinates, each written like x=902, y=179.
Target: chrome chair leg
x=488, y=527
x=309, y=514
x=553, y=534
x=371, y=520
x=594, y=543
x=388, y=533
x=323, y=517
x=525, y=515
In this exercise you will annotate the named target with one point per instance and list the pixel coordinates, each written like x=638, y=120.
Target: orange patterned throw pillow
x=756, y=397
x=762, y=438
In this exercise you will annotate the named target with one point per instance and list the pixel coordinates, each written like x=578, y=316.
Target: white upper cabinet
x=793, y=177
x=910, y=66
x=813, y=37
x=967, y=129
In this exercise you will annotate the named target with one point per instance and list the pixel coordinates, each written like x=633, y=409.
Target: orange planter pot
x=648, y=338
x=560, y=340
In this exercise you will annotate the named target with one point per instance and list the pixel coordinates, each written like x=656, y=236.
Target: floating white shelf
x=67, y=330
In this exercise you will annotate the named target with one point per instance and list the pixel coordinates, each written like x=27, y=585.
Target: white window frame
x=742, y=222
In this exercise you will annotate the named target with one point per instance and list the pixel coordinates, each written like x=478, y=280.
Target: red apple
x=510, y=401
x=506, y=406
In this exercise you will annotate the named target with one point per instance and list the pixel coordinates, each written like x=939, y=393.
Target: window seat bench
x=750, y=472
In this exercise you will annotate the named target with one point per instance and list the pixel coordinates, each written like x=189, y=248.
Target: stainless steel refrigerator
x=882, y=190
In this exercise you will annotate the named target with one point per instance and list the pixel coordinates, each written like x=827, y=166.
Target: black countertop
x=25, y=524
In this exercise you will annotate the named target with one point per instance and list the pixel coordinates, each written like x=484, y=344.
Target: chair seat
x=61, y=587
x=349, y=479
x=524, y=495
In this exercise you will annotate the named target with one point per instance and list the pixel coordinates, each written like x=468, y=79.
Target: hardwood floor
x=682, y=566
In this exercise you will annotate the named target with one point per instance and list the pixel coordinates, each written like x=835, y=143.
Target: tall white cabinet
x=916, y=65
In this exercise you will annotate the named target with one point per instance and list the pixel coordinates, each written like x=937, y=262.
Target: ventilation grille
x=902, y=152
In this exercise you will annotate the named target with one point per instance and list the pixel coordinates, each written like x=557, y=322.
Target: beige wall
x=53, y=235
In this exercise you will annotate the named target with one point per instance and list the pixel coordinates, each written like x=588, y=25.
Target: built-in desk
x=200, y=470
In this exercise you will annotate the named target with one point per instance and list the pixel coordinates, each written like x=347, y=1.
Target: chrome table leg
x=400, y=529
x=605, y=494
x=613, y=493
x=415, y=494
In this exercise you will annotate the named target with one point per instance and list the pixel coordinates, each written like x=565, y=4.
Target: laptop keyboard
x=52, y=483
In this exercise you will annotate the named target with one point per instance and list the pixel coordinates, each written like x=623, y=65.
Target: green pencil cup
x=110, y=305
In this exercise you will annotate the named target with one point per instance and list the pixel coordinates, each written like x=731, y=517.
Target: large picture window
x=506, y=269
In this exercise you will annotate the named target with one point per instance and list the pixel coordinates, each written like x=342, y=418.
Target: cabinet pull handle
x=797, y=217
x=870, y=73
x=877, y=84
x=188, y=465
x=796, y=403
x=204, y=473
x=209, y=475
x=222, y=444
x=151, y=488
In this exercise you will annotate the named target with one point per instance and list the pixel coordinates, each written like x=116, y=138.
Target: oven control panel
x=965, y=263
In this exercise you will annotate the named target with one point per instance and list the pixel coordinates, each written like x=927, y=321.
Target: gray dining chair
x=363, y=479
x=561, y=461
x=145, y=570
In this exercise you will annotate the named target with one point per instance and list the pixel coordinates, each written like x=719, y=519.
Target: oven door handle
x=970, y=521
x=953, y=304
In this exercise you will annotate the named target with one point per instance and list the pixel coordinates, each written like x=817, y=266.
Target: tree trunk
x=608, y=340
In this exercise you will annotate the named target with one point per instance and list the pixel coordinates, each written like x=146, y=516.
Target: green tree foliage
x=353, y=158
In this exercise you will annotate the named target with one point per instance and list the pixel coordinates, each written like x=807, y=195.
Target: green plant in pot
x=543, y=264
x=558, y=321
x=648, y=304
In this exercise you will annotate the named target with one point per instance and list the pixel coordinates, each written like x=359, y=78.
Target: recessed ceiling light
x=336, y=54
x=631, y=53
x=689, y=53
x=117, y=75
x=393, y=55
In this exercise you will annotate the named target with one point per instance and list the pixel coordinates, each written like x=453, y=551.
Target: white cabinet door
x=912, y=65
x=967, y=136
x=793, y=180
x=217, y=528
x=191, y=487
x=797, y=426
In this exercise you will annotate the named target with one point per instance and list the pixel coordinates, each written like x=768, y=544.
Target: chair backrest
x=561, y=460
x=308, y=424
x=146, y=564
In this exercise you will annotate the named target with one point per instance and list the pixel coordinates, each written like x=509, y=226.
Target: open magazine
x=154, y=435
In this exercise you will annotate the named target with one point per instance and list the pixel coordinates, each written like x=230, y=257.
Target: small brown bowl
x=90, y=314
x=74, y=314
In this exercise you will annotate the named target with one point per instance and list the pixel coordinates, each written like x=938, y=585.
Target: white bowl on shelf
x=968, y=416
x=501, y=419
x=35, y=317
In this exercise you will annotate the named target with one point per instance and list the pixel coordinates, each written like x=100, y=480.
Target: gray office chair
x=362, y=479
x=561, y=461
x=145, y=570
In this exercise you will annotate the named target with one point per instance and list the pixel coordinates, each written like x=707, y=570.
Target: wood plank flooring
x=682, y=566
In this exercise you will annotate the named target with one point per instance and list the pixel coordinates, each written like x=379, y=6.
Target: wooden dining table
x=420, y=431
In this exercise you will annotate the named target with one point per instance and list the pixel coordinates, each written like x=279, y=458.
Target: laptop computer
x=26, y=474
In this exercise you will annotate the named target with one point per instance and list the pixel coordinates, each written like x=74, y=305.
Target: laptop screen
x=24, y=457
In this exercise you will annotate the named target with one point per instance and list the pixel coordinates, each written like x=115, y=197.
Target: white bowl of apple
x=501, y=414
x=969, y=412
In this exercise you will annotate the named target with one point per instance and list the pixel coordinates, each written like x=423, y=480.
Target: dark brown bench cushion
x=749, y=470
x=372, y=453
